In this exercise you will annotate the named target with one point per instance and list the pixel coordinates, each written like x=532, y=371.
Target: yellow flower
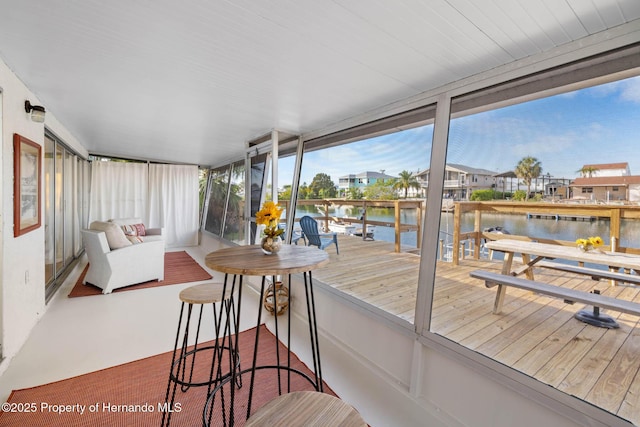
x=589, y=243
x=596, y=241
x=269, y=216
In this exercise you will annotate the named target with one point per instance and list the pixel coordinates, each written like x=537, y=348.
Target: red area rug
x=133, y=394
x=179, y=267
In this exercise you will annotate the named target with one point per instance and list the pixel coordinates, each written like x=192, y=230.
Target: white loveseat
x=116, y=261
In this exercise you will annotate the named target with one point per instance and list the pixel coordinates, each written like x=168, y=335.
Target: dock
x=558, y=217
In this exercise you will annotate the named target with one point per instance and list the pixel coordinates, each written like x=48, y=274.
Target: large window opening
x=217, y=199
x=545, y=169
x=510, y=161
x=367, y=186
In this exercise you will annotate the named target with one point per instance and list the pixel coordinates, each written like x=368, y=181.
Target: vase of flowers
x=589, y=243
x=269, y=216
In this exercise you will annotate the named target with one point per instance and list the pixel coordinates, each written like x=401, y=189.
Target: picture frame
x=27, y=188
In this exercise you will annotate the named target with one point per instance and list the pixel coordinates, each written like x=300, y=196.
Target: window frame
x=565, y=71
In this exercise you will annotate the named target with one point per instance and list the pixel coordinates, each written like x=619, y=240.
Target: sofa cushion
x=131, y=226
x=140, y=230
x=129, y=230
x=115, y=236
x=153, y=238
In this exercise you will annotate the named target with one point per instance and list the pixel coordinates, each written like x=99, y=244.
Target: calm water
x=515, y=224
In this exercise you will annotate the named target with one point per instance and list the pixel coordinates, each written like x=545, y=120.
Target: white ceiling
x=193, y=80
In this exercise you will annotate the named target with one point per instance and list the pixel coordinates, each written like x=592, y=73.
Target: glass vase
x=271, y=245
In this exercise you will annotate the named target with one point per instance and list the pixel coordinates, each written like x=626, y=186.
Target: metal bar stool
x=183, y=362
x=306, y=409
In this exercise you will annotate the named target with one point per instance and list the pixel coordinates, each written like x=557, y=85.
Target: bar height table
x=241, y=261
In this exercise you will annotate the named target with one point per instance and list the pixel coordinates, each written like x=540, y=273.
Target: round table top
x=306, y=409
x=251, y=261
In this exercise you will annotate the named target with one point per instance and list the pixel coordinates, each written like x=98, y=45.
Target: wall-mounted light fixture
x=37, y=111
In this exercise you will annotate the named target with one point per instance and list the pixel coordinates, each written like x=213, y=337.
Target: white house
x=460, y=180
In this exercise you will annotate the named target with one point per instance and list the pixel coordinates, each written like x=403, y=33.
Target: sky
x=564, y=132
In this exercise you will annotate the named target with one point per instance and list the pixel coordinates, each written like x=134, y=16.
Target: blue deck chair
x=313, y=237
x=295, y=236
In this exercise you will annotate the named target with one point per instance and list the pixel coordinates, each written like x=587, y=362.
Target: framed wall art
x=27, y=191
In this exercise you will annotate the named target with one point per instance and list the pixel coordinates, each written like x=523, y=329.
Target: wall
x=22, y=277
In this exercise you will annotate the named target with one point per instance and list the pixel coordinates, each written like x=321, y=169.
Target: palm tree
x=405, y=182
x=587, y=171
x=527, y=170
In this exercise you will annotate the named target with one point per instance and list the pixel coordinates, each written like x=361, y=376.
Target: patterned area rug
x=179, y=267
x=133, y=394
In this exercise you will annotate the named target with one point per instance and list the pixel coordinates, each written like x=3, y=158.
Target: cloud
x=630, y=90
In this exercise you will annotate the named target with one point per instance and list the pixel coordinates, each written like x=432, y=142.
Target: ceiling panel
x=192, y=81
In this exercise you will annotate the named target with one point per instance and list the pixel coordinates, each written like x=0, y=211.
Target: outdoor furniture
x=210, y=358
x=296, y=234
x=241, y=261
x=135, y=227
x=541, y=251
x=115, y=263
x=545, y=251
x=306, y=409
x=569, y=296
x=314, y=237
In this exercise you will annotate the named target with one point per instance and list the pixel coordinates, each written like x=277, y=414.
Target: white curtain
x=174, y=202
x=119, y=190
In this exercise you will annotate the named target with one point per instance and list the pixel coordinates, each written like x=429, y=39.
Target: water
x=407, y=216
x=515, y=224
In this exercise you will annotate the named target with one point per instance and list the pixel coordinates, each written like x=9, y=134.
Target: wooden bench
x=594, y=273
x=570, y=296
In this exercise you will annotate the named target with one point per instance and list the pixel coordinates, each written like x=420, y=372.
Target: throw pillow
x=129, y=230
x=140, y=229
x=134, y=239
x=115, y=235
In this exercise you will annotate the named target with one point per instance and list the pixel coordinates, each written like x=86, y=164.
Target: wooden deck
x=534, y=334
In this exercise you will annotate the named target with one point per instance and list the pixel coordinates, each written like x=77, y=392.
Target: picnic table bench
x=569, y=295
x=594, y=273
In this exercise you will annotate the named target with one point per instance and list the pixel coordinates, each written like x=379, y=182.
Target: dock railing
x=614, y=213
x=323, y=205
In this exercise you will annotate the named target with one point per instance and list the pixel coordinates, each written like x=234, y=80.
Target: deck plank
x=535, y=334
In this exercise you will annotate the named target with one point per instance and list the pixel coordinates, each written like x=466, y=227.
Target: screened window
x=378, y=219
x=525, y=146
x=234, y=219
x=218, y=189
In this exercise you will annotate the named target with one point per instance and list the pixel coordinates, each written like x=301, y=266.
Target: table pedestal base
x=596, y=319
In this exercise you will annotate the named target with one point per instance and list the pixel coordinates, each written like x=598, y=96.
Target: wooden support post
x=457, y=220
x=506, y=269
x=364, y=220
x=396, y=211
x=419, y=230
x=614, y=229
x=477, y=223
